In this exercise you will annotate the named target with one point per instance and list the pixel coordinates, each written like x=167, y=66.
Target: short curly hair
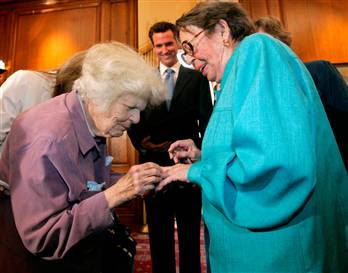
x=206, y=15
x=111, y=69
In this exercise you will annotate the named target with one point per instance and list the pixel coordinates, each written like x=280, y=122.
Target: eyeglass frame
x=187, y=44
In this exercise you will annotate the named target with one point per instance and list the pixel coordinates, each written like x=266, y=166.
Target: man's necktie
x=169, y=80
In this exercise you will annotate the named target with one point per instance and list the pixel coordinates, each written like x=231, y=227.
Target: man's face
x=165, y=47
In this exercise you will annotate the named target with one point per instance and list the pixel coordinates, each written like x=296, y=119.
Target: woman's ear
x=224, y=30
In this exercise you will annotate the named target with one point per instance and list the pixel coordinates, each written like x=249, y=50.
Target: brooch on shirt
x=94, y=186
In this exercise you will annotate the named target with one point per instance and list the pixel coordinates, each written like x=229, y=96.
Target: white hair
x=112, y=69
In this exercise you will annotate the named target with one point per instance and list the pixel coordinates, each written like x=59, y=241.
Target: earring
x=226, y=43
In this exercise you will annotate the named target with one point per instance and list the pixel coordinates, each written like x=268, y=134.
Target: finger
x=187, y=161
x=148, y=188
x=148, y=166
x=163, y=183
x=181, y=155
x=144, y=177
x=156, y=172
x=176, y=160
x=148, y=191
x=150, y=180
x=174, y=146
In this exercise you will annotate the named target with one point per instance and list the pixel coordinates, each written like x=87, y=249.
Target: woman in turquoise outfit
x=275, y=190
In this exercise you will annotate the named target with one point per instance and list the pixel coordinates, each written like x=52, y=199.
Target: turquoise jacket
x=275, y=190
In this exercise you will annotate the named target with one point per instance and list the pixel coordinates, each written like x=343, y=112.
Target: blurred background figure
x=22, y=90
x=330, y=84
x=273, y=27
x=26, y=88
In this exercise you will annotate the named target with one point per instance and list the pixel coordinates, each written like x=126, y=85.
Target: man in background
x=184, y=115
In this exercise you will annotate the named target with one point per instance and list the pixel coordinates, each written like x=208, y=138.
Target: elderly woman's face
x=208, y=54
x=122, y=113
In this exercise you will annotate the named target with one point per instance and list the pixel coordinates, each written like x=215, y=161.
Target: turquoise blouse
x=275, y=190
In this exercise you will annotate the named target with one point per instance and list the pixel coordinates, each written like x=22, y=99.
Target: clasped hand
x=184, y=151
x=143, y=178
x=181, y=151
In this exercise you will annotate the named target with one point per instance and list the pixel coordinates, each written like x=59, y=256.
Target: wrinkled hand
x=184, y=151
x=148, y=145
x=139, y=180
x=176, y=172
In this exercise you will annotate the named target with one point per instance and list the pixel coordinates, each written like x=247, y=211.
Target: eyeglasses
x=181, y=56
x=187, y=46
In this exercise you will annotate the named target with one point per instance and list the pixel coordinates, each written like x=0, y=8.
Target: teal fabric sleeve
x=258, y=162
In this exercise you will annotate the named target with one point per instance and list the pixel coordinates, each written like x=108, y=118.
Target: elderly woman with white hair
x=62, y=193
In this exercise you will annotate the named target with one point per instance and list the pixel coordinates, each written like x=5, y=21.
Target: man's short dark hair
x=163, y=27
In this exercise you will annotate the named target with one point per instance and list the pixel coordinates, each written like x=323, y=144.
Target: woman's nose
x=135, y=117
x=165, y=49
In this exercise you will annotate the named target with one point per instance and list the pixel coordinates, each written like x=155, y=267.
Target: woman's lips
x=199, y=65
x=202, y=69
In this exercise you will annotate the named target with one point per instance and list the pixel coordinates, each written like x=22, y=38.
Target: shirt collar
x=84, y=115
x=163, y=69
x=84, y=135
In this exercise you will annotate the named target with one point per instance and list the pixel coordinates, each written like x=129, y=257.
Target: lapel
x=182, y=80
x=184, y=76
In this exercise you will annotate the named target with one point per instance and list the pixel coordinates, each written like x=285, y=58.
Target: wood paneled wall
x=40, y=35
x=318, y=27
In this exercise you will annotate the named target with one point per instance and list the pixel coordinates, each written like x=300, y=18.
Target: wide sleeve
x=257, y=166
x=47, y=188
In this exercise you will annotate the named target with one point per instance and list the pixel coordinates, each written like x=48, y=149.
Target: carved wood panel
x=46, y=37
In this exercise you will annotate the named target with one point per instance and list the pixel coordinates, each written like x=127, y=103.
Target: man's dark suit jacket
x=191, y=102
x=333, y=91
x=181, y=201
